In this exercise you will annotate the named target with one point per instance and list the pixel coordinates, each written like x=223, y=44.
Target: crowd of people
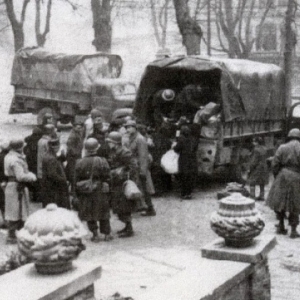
x=100, y=159
x=36, y=169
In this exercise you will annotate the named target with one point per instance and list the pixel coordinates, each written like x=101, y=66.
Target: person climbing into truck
x=163, y=105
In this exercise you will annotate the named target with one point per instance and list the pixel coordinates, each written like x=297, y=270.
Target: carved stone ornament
x=237, y=221
x=52, y=238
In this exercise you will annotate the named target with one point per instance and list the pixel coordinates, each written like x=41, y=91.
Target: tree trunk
x=17, y=26
x=41, y=37
x=290, y=42
x=189, y=29
x=102, y=25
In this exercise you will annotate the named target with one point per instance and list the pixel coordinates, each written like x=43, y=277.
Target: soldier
x=99, y=134
x=121, y=167
x=31, y=152
x=258, y=169
x=285, y=190
x=137, y=144
x=16, y=193
x=74, y=150
x=54, y=188
x=94, y=207
x=42, y=149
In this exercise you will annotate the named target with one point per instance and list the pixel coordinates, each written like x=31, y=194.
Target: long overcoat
x=74, y=150
x=137, y=144
x=94, y=206
x=31, y=151
x=258, y=167
x=42, y=150
x=186, y=147
x=15, y=166
x=54, y=187
x=285, y=190
x=122, y=167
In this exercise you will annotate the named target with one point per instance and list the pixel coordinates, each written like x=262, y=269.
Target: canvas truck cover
x=39, y=69
x=248, y=90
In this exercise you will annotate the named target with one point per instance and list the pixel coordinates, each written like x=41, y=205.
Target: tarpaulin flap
x=247, y=90
x=37, y=68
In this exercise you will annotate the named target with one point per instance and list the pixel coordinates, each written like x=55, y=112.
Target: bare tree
x=159, y=18
x=289, y=45
x=190, y=30
x=41, y=36
x=17, y=25
x=101, y=10
x=234, y=21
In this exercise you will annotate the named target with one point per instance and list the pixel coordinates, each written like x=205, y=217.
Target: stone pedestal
x=256, y=254
x=26, y=284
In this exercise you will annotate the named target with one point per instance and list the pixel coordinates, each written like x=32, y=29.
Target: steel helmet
x=294, y=133
x=91, y=145
x=168, y=95
x=96, y=113
x=16, y=144
x=114, y=137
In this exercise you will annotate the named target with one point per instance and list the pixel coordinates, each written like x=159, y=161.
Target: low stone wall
x=223, y=273
x=26, y=284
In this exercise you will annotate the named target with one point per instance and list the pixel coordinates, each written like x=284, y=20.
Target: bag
x=87, y=186
x=169, y=162
x=131, y=191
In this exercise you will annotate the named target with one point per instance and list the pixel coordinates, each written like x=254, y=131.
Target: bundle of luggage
x=233, y=187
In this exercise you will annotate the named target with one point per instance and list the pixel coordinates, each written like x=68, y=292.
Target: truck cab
x=113, y=94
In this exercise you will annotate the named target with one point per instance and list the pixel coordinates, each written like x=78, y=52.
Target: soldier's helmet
x=96, y=113
x=91, y=145
x=168, y=95
x=294, y=133
x=16, y=144
x=114, y=137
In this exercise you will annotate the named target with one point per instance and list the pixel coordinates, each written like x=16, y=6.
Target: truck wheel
x=42, y=113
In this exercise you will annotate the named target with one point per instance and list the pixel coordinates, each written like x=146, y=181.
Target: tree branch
x=25, y=3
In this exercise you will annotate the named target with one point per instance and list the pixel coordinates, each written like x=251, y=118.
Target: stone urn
x=52, y=238
x=237, y=221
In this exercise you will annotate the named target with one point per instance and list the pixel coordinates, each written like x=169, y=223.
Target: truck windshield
x=121, y=90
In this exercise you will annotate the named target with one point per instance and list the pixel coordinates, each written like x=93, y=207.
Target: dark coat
x=122, y=167
x=285, y=190
x=99, y=135
x=94, y=206
x=259, y=173
x=187, y=150
x=161, y=108
x=30, y=150
x=74, y=149
x=54, y=188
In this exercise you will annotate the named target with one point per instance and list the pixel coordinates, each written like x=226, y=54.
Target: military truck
x=69, y=85
x=251, y=96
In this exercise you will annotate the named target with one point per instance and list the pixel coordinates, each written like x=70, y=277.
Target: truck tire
x=42, y=113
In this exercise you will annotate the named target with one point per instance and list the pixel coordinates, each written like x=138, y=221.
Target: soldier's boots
x=150, y=212
x=127, y=231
